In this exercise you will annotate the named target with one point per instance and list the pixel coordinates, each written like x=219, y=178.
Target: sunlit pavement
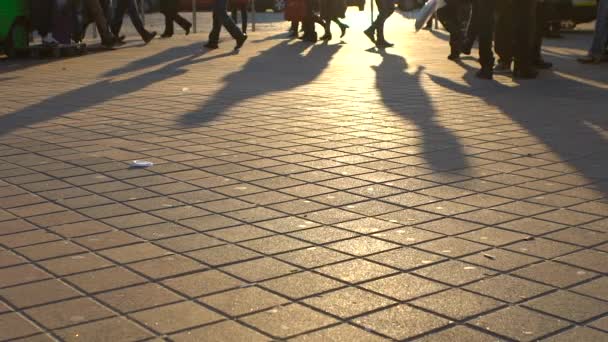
x=316, y=193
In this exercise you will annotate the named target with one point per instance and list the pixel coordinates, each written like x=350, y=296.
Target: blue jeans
x=600, y=37
x=129, y=6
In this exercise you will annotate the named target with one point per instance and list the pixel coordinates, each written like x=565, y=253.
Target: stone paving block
x=39, y=292
x=519, y=323
x=202, y=283
x=14, y=325
x=69, y=312
x=111, y=328
x=222, y=331
x=243, y=301
x=569, y=305
x=138, y=297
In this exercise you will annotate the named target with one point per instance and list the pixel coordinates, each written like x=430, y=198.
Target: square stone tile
x=601, y=323
x=222, y=255
x=10, y=276
x=72, y=230
x=260, y=269
x=111, y=329
x=406, y=235
x=401, y=321
x=331, y=216
x=579, y=334
x=523, y=208
x=255, y=214
x=189, y=242
x=8, y=258
x=312, y=257
x=69, y=312
x=589, y=259
x=300, y=285
x=454, y=273
x=160, y=231
x=167, y=266
x=239, y=233
x=447, y=208
x=297, y=207
x=107, y=240
x=483, y=200
x=274, y=244
x=348, y=302
x=355, y=271
x=287, y=224
x=403, y=287
x=367, y=225
x=14, y=325
x=138, y=297
x=202, y=283
x=532, y=226
x=133, y=253
x=500, y=259
x=449, y=226
x=493, y=236
x=555, y=274
x=362, y=246
x=508, y=288
x=322, y=235
x=340, y=333
x=338, y=198
x=457, y=304
x=569, y=305
x=579, y=236
x=567, y=217
x=458, y=333
x=372, y=208
x=105, y=279
x=75, y=264
x=406, y=258
x=133, y=220
x=409, y=217
x=40, y=292
x=243, y=301
x=542, y=248
x=288, y=320
x=452, y=247
x=597, y=288
x=222, y=331
x=487, y=217
x=519, y=324
x=27, y=238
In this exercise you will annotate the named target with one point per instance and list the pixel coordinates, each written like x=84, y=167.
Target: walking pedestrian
x=239, y=5
x=221, y=18
x=333, y=10
x=130, y=6
x=455, y=17
x=97, y=13
x=597, y=53
x=376, y=31
x=169, y=9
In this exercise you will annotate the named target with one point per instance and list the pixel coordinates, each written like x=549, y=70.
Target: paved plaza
x=327, y=192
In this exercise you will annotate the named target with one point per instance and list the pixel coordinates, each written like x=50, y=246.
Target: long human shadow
x=576, y=129
x=279, y=68
x=440, y=147
x=94, y=94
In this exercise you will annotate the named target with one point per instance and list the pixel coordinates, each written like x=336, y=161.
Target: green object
x=14, y=16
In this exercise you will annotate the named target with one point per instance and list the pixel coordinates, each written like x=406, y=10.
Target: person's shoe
x=166, y=35
x=187, y=29
x=343, y=28
x=370, y=34
x=310, y=37
x=49, y=40
x=326, y=36
x=589, y=59
x=466, y=49
x=109, y=43
x=120, y=39
x=149, y=36
x=502, y=67
x=525, y=73
x=454, y=56
x=485, y=74
x=384, y=44
x=542, y=64
x=240, y=41
x=211, y=46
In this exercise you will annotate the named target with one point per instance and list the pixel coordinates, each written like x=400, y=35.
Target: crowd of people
x=512, y=28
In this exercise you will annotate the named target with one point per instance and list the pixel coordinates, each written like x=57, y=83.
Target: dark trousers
x=455, y=17
x=169, y=9
x=484, y=22
x=221, y=18
x=504, y=39
x=519, y=30
x=243, y=9
x=385, y=9
x=98, y=14
x=129, y=6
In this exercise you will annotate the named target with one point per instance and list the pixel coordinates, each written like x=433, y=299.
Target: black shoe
x=309, y=37
x=166, y=35
x=187, y=29
x=542, y=64
x=502, y=67
x=525, y=73
x=211, y=46
x=466, y=50
x=485, y=74
x=240, y=41
x=326, y=36
x=343, y=28
x=454, y=56
x=149, y=36
x=384, y=44
x=121, y=39
x=109, y=43
x=370, y=34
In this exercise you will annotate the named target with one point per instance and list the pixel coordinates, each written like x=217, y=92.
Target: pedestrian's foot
x=370, y=34
x=484, y=74
x=187, y=29
x=525, y=74
x=454, y=56
x=309, y=37
x=211, y=46
x=502, y=67
x=384, y=44
x=343, y=28
x=590, y=59
x=149, y=36
x=240, y=41
x=542, y=64
x=326, y=36
x=166, y=35
x=109, y=43
x=121, y=39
